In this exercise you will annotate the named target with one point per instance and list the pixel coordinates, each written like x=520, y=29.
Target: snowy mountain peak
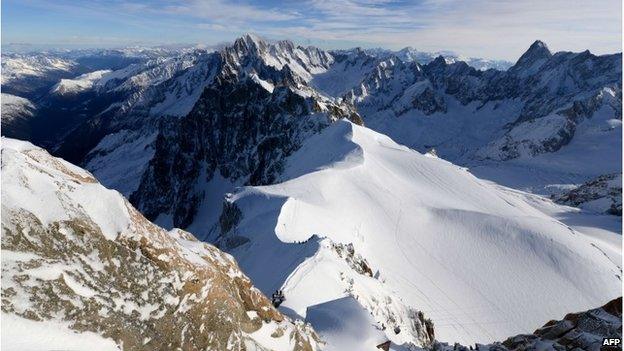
x=249, y=43
x=538, y=44
x=538, y=49
x=251, y=51
x=251, y=39
x=537, y=53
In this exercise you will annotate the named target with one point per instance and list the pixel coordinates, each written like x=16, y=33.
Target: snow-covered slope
x=79, y=84
x=482, y=261
x=16, y=114
x=78, y=258
x=22, y=66
x=29, y=335
x=32, y=75
x=345, y=325
x=54, y=65
x=15, y=107
x=494, y=120
x=348, y=70
x=592, y=149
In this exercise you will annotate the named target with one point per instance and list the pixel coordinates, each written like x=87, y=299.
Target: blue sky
x=478, y=28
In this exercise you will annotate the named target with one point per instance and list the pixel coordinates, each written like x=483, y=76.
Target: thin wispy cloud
x=484, y=28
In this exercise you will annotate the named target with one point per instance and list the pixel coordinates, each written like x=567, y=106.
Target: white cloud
x=494, y=28
x=227, y=11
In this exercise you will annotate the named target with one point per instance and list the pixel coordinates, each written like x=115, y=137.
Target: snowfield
x=345, y=325
x=482, y=261
x=17, y=334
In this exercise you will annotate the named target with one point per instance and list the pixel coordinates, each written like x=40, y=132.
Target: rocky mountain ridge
x=569, y=85
x=565, y=88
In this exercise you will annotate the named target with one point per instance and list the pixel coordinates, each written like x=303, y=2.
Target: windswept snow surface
x=49, y=200
x=482, y=261
x=29, y=335
x=336, y=319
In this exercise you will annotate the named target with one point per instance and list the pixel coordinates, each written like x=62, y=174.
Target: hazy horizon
x=482, y=28
x=24, y=48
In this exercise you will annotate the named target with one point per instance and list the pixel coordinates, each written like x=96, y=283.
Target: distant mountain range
x=409, y=54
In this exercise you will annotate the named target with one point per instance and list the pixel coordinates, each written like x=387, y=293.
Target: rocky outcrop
x=428, y=102
x=531, y=138
x=88, y=258
x=602, y=194
x=576, y=331
x=355, y=261
x=388, y=311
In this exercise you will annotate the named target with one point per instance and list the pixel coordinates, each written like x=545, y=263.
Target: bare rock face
x=78, y=253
